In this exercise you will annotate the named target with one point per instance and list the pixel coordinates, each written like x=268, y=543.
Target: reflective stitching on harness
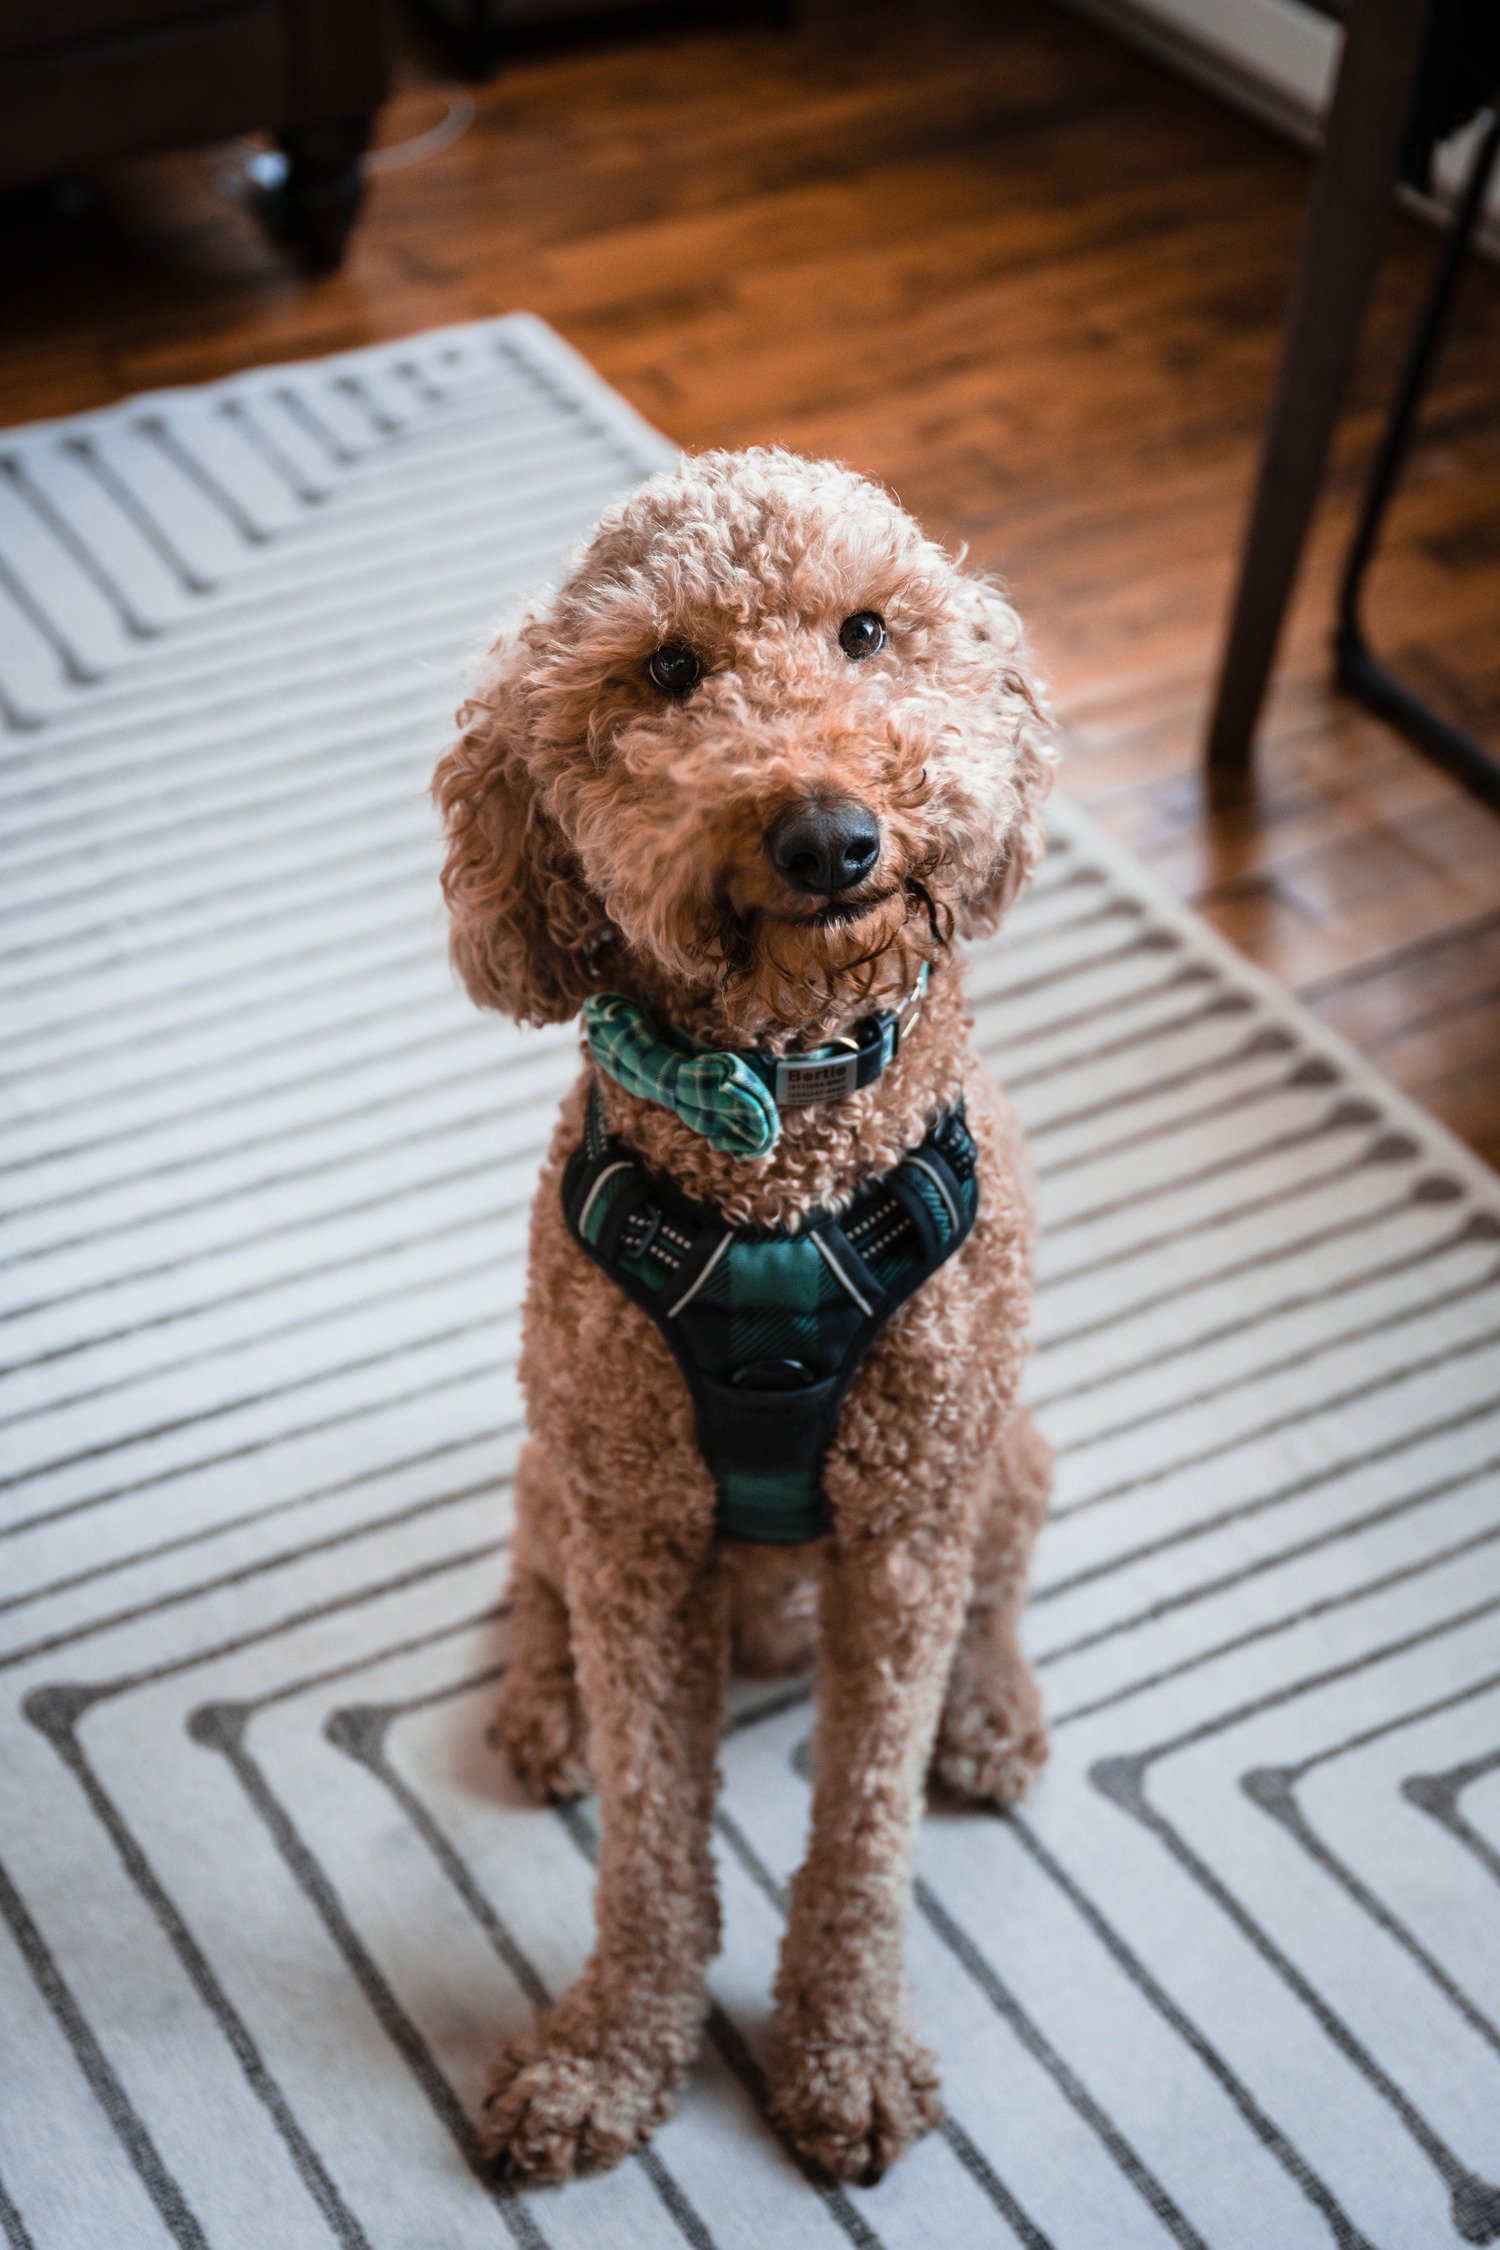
x=607, y=1174
x=689, y=1294
x=893, y=1234
x=938, y=1182
x=839, y=1275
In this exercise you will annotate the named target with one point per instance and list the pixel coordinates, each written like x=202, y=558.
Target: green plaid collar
x=735, y=1099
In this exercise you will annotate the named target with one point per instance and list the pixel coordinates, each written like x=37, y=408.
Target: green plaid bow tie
x=735, y=1100
x=715, y=1092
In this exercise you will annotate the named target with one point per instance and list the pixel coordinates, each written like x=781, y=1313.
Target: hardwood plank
x=1465, y=1101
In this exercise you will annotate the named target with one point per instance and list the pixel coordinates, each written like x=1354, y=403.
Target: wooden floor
x=994, y=258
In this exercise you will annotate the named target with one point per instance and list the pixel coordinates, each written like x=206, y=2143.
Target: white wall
x=1275, y=58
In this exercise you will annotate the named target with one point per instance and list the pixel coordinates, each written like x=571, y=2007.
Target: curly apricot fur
x=604, y=837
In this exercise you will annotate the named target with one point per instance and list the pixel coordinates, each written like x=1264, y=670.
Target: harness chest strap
x=767, y=1326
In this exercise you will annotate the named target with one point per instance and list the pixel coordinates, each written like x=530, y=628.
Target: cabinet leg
x=315, y=207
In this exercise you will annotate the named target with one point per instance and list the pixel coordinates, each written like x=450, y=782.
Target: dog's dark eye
x=863, y=634
x=673, y=669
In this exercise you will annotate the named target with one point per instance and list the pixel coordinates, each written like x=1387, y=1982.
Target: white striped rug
x=1231, y=1979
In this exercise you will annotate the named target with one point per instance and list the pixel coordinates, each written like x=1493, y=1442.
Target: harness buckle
x=652, y=1215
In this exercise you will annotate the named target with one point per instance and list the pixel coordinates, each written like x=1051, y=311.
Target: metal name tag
x=798, y=1083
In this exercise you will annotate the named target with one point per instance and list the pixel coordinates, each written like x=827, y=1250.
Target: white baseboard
x=1277, y=60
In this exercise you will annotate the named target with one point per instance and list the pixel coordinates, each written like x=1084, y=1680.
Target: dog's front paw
x=990, y=1748
x=852, y=2107
x=540, y=1727
x=560, y=2101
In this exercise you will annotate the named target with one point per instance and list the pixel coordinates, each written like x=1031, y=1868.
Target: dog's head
x=764, y=751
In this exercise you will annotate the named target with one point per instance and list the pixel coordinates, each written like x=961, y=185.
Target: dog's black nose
x=824, y=847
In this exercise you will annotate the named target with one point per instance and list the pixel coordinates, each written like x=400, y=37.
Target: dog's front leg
x=597, y=2072
x=852, y=2083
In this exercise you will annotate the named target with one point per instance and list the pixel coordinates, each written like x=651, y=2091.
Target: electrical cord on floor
x=256, y=171
x=450, y=127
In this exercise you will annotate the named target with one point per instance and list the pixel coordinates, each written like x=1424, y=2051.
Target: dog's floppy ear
x=525, y=931
x=1024, y=739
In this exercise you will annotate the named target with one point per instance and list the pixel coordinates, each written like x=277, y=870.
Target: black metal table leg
x=1345, y=226
x=1360, y=670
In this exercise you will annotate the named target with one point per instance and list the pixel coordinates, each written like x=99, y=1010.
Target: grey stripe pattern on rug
x=1232, y=1979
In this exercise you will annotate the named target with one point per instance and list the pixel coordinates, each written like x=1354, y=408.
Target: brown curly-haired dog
x=607, y=832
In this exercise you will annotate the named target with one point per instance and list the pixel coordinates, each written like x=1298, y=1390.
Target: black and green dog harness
x=768, y=1326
